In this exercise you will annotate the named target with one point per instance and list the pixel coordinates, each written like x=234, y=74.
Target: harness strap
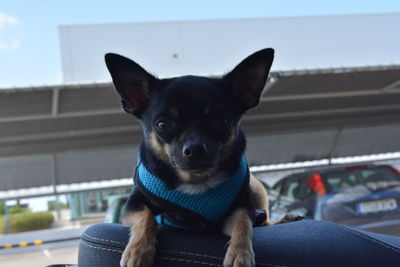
x=209, y=207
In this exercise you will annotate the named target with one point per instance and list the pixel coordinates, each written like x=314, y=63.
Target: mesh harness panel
x=212, y=205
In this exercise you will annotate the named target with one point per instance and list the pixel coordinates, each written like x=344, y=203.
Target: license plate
x=377, y=206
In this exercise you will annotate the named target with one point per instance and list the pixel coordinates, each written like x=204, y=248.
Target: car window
x=274, y=192
x=378, y=175
x=334, y=181
x=375, y=178
x=304, y=190
x=289, y=191
x=278, y=186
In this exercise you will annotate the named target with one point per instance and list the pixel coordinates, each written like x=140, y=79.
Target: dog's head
x=191, y=123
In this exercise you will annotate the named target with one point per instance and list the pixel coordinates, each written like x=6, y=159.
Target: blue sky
x=29, y=44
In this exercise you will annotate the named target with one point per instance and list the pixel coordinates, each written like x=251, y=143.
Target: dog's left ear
x=249, y=77
x=131, y=81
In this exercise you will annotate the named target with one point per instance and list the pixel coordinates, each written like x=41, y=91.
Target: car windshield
x=372, y=179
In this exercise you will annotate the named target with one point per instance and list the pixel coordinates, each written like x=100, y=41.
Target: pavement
x=59, y=244
x=52, y=251
x=42, y=257
x=48, y=237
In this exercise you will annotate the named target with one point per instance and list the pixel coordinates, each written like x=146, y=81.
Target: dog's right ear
x=249, y=77
x=131, y=81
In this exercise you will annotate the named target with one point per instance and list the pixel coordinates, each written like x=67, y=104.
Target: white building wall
x=215, y=46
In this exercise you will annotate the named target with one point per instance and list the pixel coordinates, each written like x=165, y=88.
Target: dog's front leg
x=141, y=248
x=240, y=248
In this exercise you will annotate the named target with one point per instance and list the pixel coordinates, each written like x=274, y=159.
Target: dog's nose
x=194, y=150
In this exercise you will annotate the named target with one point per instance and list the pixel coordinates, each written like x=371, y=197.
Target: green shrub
x=27, y=222
x=17, y=209
x=13, y=209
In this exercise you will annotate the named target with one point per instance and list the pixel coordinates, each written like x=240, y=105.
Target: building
x=334, y=92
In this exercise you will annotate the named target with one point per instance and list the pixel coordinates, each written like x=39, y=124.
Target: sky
x=29, y=41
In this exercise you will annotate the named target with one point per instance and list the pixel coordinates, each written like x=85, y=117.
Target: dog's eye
x=163, y=124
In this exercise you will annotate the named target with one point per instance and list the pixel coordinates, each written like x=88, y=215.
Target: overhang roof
x=346, y=112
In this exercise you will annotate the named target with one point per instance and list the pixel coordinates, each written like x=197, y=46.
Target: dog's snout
x=194, y=150
x=195, y=155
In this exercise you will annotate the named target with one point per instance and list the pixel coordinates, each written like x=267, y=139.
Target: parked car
x=367, y=197
x=115, y=209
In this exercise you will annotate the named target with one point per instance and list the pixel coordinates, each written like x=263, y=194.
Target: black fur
x=194, y=120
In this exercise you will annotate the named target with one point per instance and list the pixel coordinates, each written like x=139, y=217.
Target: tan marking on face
x=154, y=142
x=196, y=178
x=197, y=183
x=164, y=152
x=168, y=149
x=141, y=248
x=174, y=112
x=185, y=176
x=226, y=149
x=157, y=147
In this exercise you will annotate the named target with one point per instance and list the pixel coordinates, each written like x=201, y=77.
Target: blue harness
x=212, y=205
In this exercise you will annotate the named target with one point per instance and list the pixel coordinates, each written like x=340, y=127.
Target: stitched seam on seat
x=371, y=239
x=106, y=240
x=101, y=248
x=191, y=254
x=188, y=261
x=213, y=257
x=169, y=251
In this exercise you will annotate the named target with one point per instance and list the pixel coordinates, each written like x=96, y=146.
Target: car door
x=283, y=196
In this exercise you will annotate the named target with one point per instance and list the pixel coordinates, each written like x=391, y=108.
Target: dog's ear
x=131, y=81
x=249, y=77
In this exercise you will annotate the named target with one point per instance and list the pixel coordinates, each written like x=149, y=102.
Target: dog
x=193, y=153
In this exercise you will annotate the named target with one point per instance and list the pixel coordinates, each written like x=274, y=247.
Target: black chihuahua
x=191, y=170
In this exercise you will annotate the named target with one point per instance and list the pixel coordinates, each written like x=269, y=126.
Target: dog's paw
x=239, y=257
x=290, y=217
x=137, y=256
